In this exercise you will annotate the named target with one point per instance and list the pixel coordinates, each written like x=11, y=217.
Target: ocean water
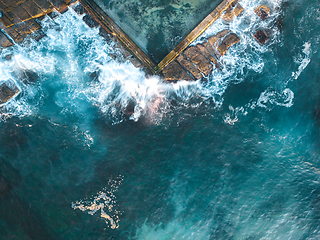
x=235, y=156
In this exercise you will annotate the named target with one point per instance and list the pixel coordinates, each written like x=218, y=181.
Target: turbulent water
x=235, y=156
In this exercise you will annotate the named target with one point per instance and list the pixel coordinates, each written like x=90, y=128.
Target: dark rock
x=44, y=5
x=8, y=57
x=174, y=72
x=262, y=37
x=263, y=12
x=184, y=62
x=103, y=33
x=38, y=34
x=136, y=62
x=227, y=42
x=199, y=60
x=19, y=11
x=79, y=9
x=31, y=76
x=54, y=14
x=4, y=40
x=6, y=92
x=59, y=5
x=129, y=108
x=32, y=8
x=94, y=75
x=89, y=20
x=32, y=24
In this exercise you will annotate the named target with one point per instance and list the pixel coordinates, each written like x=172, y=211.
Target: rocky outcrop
x=174, y=72
x=190, y=67
x=233, y=11
x=7, y=91
x=262, y=37
x=227, y=42
x=19, y=17
x=263, y=12
x=198, y=59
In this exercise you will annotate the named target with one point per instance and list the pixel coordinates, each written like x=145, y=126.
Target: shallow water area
x=92, y=148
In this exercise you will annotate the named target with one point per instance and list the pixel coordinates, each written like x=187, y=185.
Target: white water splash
x=303, y=61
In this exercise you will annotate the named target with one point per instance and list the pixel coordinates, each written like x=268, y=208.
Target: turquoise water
x=232, y=157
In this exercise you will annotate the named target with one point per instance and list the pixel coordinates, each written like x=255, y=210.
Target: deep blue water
x=233, y=157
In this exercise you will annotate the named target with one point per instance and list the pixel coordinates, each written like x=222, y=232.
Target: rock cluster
x=18, y=18
x=199, y=60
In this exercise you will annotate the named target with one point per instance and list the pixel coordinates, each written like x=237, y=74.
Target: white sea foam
x=103, y=202
x=302, y=61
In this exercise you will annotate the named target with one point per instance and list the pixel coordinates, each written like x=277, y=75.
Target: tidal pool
x=157, y=27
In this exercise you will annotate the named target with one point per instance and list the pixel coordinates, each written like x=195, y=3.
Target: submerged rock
x=262, y=37
x=4, y=187
x=6, y=92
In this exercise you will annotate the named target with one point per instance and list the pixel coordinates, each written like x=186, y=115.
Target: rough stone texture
x=7, y=93
x=238, y=9
x=89, y=20
x=262, y=37
x=223, y=33
x=4, y=41
x=210, y=49
x=32, y=8
x=198, y=59
x=59, y=4
x=203, y=49
x=21, y=13
x=19, y=16
x=227, y=42
x=228, y=14
x=32, y=25
x=184, y=62
x=263, y=12
x=79, y=9
x=214, y=41
x=44, y=5
x=174, y=72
